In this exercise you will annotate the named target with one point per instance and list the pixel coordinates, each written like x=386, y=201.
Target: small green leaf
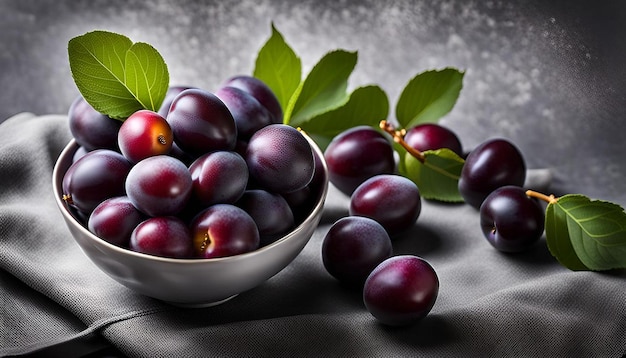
x=438, y=177
x=116, y=77
x=278, y=66
x=323, y=89
x=586, y=234
x=367, y=105
x=428, y=97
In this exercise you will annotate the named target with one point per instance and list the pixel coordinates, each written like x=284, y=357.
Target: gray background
x=548, y=75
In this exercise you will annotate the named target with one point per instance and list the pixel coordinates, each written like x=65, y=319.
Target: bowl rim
x=72, y=147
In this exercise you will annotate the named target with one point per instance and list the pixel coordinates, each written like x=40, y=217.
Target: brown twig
x=398, y=137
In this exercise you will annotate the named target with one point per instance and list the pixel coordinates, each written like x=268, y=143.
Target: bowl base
x=200, y=305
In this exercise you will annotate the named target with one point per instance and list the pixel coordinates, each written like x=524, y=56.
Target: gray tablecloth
x=489, y=304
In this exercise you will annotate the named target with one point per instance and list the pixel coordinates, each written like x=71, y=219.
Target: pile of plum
x=357, y=250
x=211, y=174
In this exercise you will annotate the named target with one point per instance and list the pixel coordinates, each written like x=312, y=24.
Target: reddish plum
x=353, y=247
x=401, y=290
x=145, y=134
x=392, y=200
x=218, y=177
x=223, y=230
x=249, y=114
x=95, y=177
x=171, y=93
x=493, y=164
x=201, y=122
x=114, y=220
x=159, y=186
x=259, y=90
x=280, y=159
x=431, y=136
x=271, y=213
x=166, y=236
x=356, y=155
x=91, y=129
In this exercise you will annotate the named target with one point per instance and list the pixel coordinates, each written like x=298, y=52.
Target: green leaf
x=323, y=89
x=401, y=154
x=586, y=234
x=278, y=66
x=438, y=177
x=367, y=105
x=557, y=239
x=115, y=76
x=146, y=75
x=428, y=96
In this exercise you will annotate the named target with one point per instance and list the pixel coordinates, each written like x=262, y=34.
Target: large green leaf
x=115, y=76
x=367, y=105
x=558, y=241
x=586, y=234
x=146, y=76
x=278, y=67
x=323, y=89
x=438, y=176
x=428, y=96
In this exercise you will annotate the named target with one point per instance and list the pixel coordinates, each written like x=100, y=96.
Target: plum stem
x=205, y=242
x=67, y=198
x=550, y=199
x=398, y=137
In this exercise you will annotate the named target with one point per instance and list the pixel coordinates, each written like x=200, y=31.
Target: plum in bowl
x=194, y=282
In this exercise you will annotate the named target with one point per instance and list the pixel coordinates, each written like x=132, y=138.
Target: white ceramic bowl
x=190, y=282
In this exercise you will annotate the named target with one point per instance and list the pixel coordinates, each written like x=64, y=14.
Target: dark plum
x=219, y=177
x=300, y=201
x=241, y=147
x=392, y=200
x=223, y=230
x=270, y=212
x=494, y=163
x=303, y=200
x=356, y=155
x=510, y=220
x=201, y=122
x=181, y=155
x=401, y=290
x=166, y=236
x=280, y=159
x=91, y=129
x=259, y=90
x=144, y=134
x=80, y=152
x=95, y=177
x=114, y=220
x=431, y=136
x=249, y=114
x=353, y=247
x=171, y=93
x=159, y=186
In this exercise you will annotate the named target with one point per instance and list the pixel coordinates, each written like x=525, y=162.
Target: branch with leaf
x=320, y=105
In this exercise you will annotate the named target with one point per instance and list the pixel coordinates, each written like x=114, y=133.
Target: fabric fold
x=489, y=304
